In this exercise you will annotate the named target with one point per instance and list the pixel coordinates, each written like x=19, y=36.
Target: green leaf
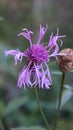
x=15, y=104
x=67, y=94
x=68, y=87
x=29, y=128
x=56, y=72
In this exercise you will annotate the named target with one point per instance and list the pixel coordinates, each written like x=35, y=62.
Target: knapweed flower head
x=36, y=71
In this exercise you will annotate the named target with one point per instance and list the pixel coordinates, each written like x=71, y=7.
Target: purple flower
x=36, y=71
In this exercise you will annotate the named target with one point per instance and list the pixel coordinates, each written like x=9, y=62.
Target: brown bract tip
x=66, y=62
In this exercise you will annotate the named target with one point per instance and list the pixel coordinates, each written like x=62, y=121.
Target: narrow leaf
x=29, y=128
x=15, y=104
x=68, y=87
x=67, y=94
x=56, y=72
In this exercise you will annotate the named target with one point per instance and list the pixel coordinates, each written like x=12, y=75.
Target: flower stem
x=41, y=110
x=59, y=102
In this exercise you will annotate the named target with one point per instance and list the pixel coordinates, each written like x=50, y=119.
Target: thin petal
x=53, y=40
x=42, y=77
x=25, y=77
x=37, y=75
x=11, y=52
x=48, y=74
x=53, y=46
x=42, y=33
x=16, y=53
x=44, y=80
x=26, y=33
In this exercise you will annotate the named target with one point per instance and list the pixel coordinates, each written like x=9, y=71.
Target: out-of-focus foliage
x=29, y=128
x=19, y=107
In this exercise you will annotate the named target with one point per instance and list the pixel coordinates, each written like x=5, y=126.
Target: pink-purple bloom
x=36, y=71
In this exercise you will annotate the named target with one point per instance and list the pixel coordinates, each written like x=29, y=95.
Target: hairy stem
x=59, y=102
x=41, y=110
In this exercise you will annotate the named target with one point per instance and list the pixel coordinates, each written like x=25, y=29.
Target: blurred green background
x=19, y=107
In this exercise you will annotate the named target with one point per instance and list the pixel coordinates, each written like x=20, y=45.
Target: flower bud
x=66, y=61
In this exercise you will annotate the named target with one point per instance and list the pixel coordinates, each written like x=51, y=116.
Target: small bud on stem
x=66, y=62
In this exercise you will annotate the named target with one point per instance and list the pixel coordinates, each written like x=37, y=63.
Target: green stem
x=1, y=125
x=41, y=110
x=59, y=102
